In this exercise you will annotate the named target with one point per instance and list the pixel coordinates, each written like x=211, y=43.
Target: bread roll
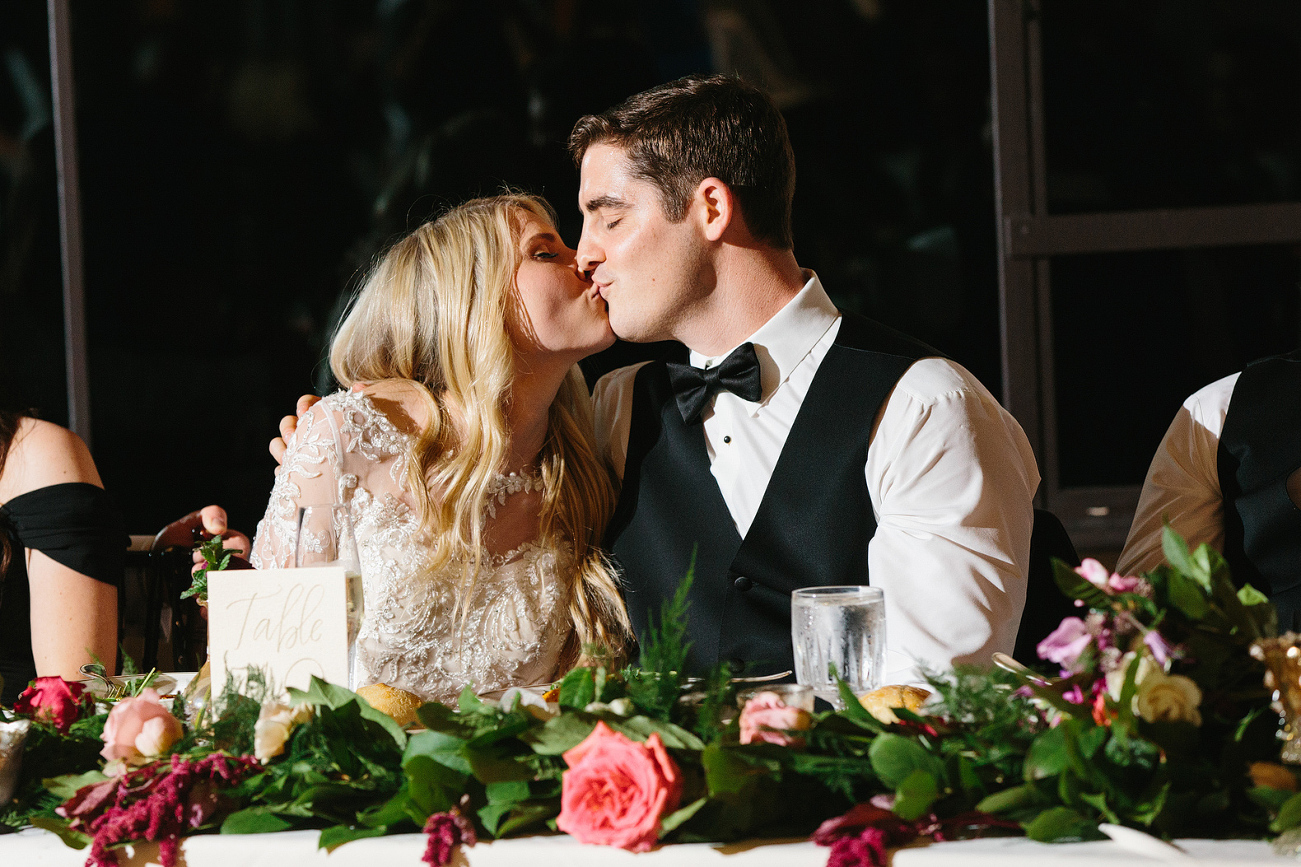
x=397, y=703
x=881, y=703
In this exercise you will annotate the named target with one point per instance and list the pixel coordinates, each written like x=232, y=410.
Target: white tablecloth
x=292, y=848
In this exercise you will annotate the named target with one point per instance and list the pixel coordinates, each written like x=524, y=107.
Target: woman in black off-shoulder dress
x=62, y=547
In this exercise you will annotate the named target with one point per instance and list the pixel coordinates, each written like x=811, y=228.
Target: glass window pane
x=1159, y=104
x=1136, y=333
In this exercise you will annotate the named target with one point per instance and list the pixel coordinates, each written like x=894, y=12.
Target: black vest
x=1259, y=448
x=813, y=524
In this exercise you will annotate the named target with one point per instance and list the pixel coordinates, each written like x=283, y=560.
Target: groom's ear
x=715, y=207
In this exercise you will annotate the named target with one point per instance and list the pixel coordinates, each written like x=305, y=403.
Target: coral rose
x=138, y=728
x=616, y=790
x=766, y=719
x=52, y=700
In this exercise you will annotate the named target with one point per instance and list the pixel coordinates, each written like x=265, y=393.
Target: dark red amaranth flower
x=868, y=849
x=861, y=837
x=157, y=802
x=446, y=831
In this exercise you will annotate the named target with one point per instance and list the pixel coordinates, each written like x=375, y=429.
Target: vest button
x=742, y=583
x=735, y=666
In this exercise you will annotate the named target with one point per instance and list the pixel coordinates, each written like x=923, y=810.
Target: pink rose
x=1111, y=582
x=52, y=700
x=1065, y=644
x=766, y=719
x=617, y=790
x=139, y=728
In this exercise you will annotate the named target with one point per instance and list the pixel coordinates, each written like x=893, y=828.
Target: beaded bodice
x=416, y=634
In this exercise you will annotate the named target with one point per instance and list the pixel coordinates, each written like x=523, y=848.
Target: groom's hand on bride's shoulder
x=288, y=425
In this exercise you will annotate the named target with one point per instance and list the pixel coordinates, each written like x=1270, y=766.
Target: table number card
x=290, y=623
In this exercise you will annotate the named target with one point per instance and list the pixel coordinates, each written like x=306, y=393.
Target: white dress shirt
x=1183, y=482
x=950, y=475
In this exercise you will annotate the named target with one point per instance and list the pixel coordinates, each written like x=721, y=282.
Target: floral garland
x=1155, y=715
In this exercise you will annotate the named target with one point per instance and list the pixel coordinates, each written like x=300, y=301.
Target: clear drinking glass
x=325, y=538
x=840, y=627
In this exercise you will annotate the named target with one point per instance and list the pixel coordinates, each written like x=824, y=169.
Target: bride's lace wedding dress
x=413, y=635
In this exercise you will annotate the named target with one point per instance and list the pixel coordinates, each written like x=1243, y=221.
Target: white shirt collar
x=784, y=340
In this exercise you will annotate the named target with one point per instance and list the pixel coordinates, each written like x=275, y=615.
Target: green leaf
x=1249, y=596
x=578, y=689
x=1289, y=815
x=1047, y=755
x=432, y=786
x=640, y=728
x=1187, y=595
x=894, y=757
x=323, y=694
x=527, y=814
x=914, y=796
x=333, y=838
x=1176, y=551
x=677, y=817
x=1009, y=799
x=559, y=734
x=72, y=839
x=491, y=815
x=507, y=792
x=255, y=820
x=392, y=812
x=1076, y=587
x=1270, y=799
x=68, y=785
x=490, y=767
x=727, y=773
x=1060, y=825
x=443, y=748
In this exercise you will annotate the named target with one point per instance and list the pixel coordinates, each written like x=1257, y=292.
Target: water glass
x=838, y=631
x=325, y=538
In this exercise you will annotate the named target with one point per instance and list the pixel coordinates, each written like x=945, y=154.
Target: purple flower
x=1161, y=649
x=446, y=831
x=1066, y=642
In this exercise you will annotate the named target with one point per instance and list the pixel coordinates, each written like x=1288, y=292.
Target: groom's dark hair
x=698, y=127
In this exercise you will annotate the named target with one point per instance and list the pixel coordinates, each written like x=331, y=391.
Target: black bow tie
x=693, y=387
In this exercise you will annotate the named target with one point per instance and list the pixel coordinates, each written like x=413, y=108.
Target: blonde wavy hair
x=436, y=311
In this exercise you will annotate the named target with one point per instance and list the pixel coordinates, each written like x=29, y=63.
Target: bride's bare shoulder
x=403, y=402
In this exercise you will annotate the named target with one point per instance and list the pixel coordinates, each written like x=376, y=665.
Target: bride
x=467, y=460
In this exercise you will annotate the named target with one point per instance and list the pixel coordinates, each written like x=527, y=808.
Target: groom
x=801, y=446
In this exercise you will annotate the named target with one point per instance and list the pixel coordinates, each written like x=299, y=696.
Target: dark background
x=241, y=162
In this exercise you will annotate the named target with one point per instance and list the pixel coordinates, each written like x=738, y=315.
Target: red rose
x=616, y=790
x=51, y=700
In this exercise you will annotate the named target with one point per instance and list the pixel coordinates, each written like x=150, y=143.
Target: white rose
x=274, y=723
x=530, y=702
x=1168, y=698
x=1116, y=677
x=157, y=735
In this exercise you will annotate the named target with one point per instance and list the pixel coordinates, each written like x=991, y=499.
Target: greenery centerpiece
x=1155, y=716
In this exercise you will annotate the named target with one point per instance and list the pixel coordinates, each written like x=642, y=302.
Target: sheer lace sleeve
x=308, y=476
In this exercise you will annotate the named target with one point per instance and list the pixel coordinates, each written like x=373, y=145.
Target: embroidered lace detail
x=416, y=633
x=502, y=487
